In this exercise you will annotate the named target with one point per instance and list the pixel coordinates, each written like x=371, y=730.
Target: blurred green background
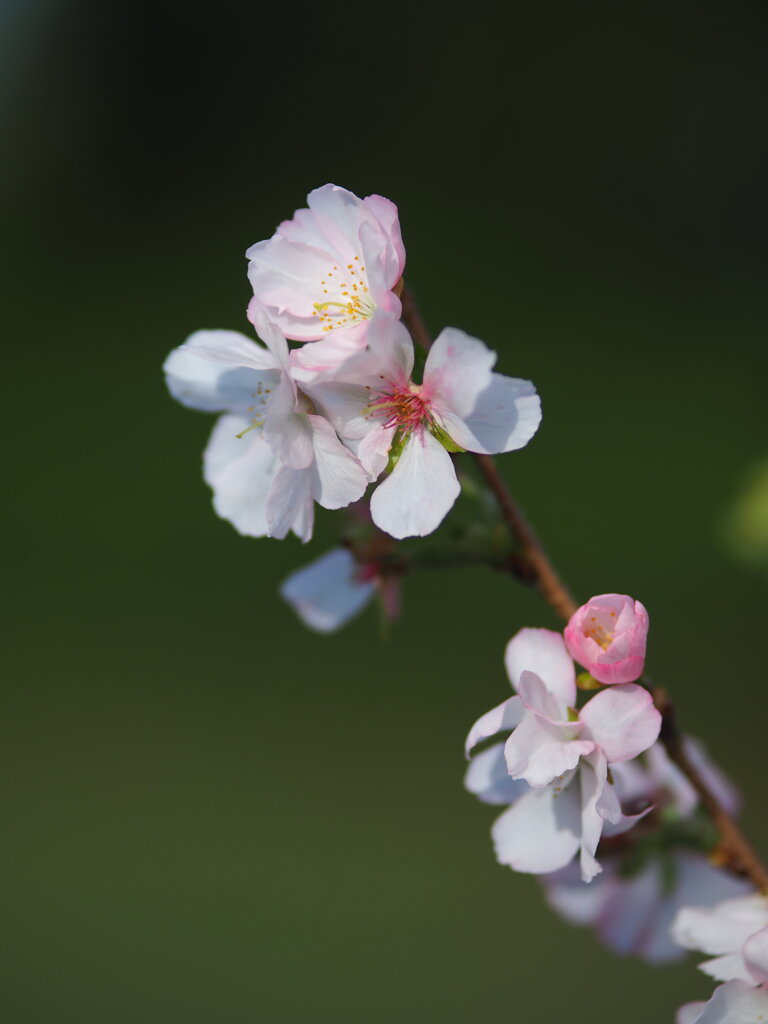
x=209, y=814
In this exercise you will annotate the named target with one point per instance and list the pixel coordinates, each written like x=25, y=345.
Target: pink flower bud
x=608, y=636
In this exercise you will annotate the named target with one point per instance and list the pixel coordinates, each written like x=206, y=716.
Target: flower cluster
x=330, y=404
x=556, y=769
x=320, y=421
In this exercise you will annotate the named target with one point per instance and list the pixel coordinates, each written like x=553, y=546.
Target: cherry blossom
x=375, y=405
x=607, y=636
x=270, y=456
x=328, y=269
x=563, y=755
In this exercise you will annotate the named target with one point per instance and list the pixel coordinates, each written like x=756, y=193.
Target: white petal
x=504, y=418
x=232, y=349
x=328, y=592
x=457, y=370
x=622, y=721
x=593, y=772
x=540, y=833
x=290, y=505
x=735, y=1003
x=240, y=471
x=722, y=928
x=488, y=779
x=539, y=752
x=287, y=431
x=499, y=719
x=538, y=698
x=755, y=952
x=690, y=1013
x=419, y=492
x=337, y=477
x=542, y=651
x=212, y=386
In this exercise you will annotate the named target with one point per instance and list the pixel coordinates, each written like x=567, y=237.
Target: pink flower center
x=402, y=406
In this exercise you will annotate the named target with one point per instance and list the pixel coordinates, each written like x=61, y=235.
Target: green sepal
x=396, y=449
x=585, y=681
x=445, y=440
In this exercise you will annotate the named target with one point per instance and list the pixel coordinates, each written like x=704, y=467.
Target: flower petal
x=540, y=833
x=328, y=592
x=419, y=492
x=755, y=953
x=593, y=772
x=723, y=928
x=457, y=370
x=241, y=472
x=622, y=721
x=734, y=1003
x=337, y=477
x=488, y=779
x=199, y=382
x=542, y=651
x=290, y=505
x=539, y=752
x=499, y=719
x=504, y=418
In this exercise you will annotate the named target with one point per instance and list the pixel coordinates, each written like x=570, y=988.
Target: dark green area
x=208, y=814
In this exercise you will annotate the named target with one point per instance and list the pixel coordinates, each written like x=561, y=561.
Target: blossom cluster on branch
x=629, y=826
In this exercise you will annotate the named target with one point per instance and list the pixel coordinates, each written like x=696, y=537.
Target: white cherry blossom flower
x=270, y=457
x=374, y=403
x=327, y=270
x=563, y=755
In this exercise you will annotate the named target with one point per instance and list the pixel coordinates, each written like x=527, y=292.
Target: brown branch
x=734, y=851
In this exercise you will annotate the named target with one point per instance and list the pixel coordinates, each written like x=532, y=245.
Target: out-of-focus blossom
x=632, y=904
x=373, y=402
x=328, y=269
x=270, y=457
x=632, y=914
x=330, y=591
x=563, y=755
x=608, y=636
x=735, y=934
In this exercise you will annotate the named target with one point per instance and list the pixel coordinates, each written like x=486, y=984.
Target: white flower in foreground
x=374, y=403
x=735, y=934
x=329, y=591
x=563, y=755
x=270, y=456
x=330, y=268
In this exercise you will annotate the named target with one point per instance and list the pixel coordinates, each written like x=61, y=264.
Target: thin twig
x=734, y=851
